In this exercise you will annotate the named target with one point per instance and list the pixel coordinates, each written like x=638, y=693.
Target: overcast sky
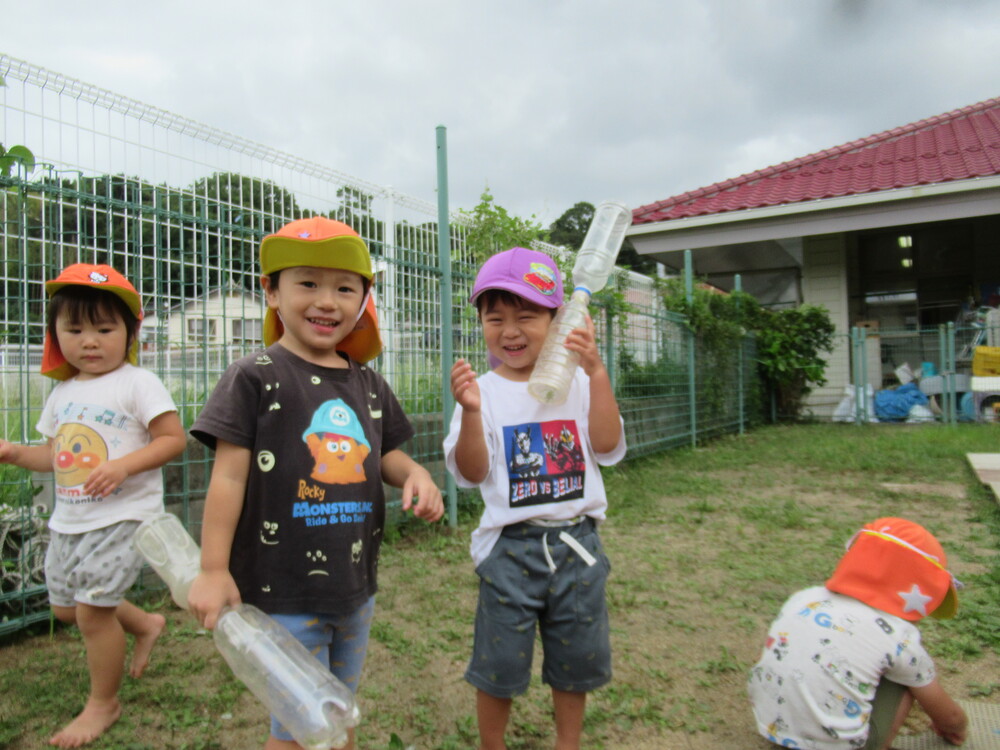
x=545, y=103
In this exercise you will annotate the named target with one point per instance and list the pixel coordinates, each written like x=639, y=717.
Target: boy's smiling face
x=318, y=309
x=514, y=334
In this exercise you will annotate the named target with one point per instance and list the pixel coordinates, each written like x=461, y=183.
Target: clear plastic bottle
x=553, y=371
x=171, y=552
x=554, y=368
x=597, y=255
x=313, y=705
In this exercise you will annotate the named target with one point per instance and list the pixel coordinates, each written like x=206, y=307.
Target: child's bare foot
x=93, y=720
x=144, y=643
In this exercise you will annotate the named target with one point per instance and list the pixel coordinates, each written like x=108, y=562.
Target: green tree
x=493, y=229
x=571, y=228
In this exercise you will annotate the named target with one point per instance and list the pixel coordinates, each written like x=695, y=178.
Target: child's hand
x=209, y=593
x=583, y=341
x=422, y=494
x=464, y=387
x=953, y=737
x=105, y=479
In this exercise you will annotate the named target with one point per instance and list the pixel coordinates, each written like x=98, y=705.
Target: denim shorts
x=534, y=578
x=96, y=567
x=340, y=642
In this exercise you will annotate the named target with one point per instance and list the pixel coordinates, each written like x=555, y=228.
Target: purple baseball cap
x=530, y=274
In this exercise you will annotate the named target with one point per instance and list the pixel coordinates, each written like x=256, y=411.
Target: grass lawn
x=705, y=545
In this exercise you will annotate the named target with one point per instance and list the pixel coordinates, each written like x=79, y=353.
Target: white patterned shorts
x=96, y=567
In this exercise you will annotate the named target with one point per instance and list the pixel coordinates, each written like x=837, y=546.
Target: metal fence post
x=949, y=379
x=738, y=287
x=692, y=342
x=609, y=348
x=389, y=285
x=444, y=259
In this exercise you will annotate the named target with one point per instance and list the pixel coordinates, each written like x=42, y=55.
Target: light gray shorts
x=96, y=567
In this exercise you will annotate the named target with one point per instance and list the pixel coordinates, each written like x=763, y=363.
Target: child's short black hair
x=94, y=305
x=490, y=297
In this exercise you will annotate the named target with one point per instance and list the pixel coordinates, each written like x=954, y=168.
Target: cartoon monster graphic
x=563, y=451
x=337, y=443
x=78, y=450
x=523, y=461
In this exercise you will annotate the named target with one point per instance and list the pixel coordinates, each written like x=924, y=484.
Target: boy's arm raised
x=947, y=717
x=215, y=588
x=471, y=455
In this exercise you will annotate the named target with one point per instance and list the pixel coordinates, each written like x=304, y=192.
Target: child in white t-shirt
x=110, y=427
x=843, y=663
x=537, y=551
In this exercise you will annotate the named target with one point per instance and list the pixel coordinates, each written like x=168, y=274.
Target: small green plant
x=12, y=156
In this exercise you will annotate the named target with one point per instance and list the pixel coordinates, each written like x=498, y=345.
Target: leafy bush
x=790, y=342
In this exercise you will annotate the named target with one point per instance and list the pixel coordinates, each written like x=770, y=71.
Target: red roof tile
x=957, y=145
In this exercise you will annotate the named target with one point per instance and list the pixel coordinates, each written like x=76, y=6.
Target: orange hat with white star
x=897, y=566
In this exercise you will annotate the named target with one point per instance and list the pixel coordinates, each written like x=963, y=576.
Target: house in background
x=899, y=230
x=225, y=316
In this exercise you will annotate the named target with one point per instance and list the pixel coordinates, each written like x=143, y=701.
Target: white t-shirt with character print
x=543, y=466
x=94, y=421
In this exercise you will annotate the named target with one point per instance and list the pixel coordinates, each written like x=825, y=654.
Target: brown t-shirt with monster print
x=308, y=536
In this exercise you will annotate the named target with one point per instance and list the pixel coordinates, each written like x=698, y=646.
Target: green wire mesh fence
x=180, y=208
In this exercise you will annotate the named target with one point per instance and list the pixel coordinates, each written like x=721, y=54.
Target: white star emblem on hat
x=915, y=600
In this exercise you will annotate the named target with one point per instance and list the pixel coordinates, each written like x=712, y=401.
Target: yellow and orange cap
x=324, y=243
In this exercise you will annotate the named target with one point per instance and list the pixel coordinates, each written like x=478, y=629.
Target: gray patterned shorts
x=533, y=580
x=96, y=567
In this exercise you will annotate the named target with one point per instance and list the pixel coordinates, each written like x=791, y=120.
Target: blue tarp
x=896, y=403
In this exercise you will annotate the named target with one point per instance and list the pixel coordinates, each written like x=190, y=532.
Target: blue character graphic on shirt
x=337, y=443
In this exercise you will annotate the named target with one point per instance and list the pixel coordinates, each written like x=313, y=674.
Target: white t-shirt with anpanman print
x=97, y=420
x=823, y=659
x=542, y=463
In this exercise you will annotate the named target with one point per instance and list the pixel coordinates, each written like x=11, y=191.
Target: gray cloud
x=546, y=103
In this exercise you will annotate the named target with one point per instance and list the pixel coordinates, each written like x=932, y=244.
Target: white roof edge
x=815, y=206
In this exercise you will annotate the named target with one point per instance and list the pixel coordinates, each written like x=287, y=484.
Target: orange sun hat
x=897, y=566
x=324, y=243
x=98, y=276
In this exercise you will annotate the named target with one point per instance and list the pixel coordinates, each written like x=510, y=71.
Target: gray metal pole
x=444, y=261
x=738, y=287
x=692, y=343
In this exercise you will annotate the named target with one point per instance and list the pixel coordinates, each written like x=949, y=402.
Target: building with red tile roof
x=901, y=227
